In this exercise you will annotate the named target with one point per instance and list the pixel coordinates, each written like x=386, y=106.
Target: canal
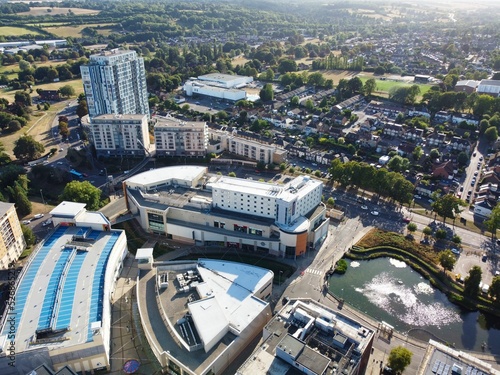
x=389, y=290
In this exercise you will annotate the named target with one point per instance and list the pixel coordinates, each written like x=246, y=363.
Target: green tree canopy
x=399, y=359
x=493, y=222
x=494, y=290
x=491, y=134
x=81, y=109
x=26, y=148
x=67, y=91
x=267, y=93
x=398, y=164
x=29, y=237
x=370, y=86
x=82, y=192
x=448, y=206
x=447, y=259
x=472, y=281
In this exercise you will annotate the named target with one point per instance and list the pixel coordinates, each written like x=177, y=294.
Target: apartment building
x=12, y=242
x=115, y=83
x=175, y=137
x=254, y=149
x=120, y=135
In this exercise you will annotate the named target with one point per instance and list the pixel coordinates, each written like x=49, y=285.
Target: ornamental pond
x=389, y=290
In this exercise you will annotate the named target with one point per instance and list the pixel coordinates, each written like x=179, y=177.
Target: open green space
x=385, y=86
x=15, y=31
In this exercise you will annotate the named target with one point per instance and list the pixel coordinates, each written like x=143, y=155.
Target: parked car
x=416, y=196
x=47, y=222
x=363, y=207
x=375, y=213
x=25, y=222
x=406, y=220
x=38, y=216
x=455, y=251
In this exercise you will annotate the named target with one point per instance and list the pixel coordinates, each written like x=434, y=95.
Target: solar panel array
x=55, y=282
x=27, y=281
x=98, y=284
x=473, y=371
x=68, y=293
x=441, y=368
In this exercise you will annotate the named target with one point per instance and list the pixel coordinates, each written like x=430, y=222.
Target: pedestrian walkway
x=314, y=271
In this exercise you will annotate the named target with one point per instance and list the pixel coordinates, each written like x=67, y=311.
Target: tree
x=330, y=202
x=412, y=227
x=447, y=259
x=491, y=134
x=24, y=65
x=472, y=281
x=22, y=98
x=493, y=222
x=494, y=290
x=27, y=148
x=282, y=166
x=82, y=192
x=267, y=93
x=82, y=109
x=67, y=91
x=399, y=359
x=370, y=86
x=295, y=101
x=287, y=65
x=448, y=206
x=417, y=153
x=462, y=159
x=398, y=164
x=434, y=154
x=29, y=237
x=441, y=234
x=232, y=174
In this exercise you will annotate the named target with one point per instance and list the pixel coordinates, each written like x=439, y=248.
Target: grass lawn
x=39, y=127
x=65, y=31
x=14, y=68
x=384, y=86
x=15, y=31
x=8, y=94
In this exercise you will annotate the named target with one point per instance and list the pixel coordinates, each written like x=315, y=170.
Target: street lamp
x=41, y=194
x=279, y=282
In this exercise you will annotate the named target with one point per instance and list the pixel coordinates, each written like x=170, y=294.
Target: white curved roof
x=159, y=175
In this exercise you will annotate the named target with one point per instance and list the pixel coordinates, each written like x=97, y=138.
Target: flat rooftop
x=220, y=77
x=166, y=174
x=319, y=348
x=221, y=301
x=443, y=360
x=61, y=291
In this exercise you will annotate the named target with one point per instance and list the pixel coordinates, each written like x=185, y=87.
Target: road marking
x=314, y=271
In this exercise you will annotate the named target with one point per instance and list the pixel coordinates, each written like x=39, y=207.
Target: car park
x=38, y=216
x=374, y=213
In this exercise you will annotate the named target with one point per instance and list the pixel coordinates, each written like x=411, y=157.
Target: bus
x=76, y=174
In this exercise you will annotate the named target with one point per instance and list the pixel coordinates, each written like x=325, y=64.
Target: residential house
x=470, y=119
x=436, y=139
x=483, y=208
x=442, y=117
x=446, y=170
x=414, y=134
x=460, y=144
x=393, y=130
x=419, y=112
